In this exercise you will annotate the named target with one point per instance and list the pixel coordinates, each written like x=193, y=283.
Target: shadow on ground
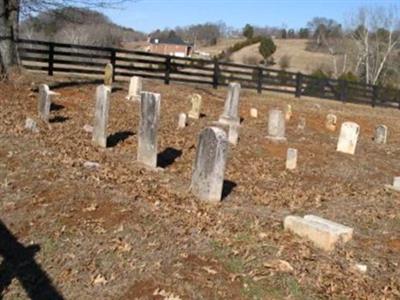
x=168, y=157
x=118, y=137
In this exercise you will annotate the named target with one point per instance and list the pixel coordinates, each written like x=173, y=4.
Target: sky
x=148, y=15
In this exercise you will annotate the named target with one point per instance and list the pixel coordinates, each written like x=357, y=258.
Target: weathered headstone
x=233, y=134
x=196, y=100
x=209, y=167
x=330, y=122
x=135, y=88
x=31, y=125
x=231, y=108
x=396, y=183
x=348, y=137
x=276, y=125
x=291, y=159
x=108, y=74
x=44, y=102
x=302, y=123
x=253, y=112
x=149, y=119
x=381, y=134
x=99, y=136
x=288, y=114
x=182, y=120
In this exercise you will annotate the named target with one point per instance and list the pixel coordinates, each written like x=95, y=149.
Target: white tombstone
x=196, y=101
x=231, y=108
x=148, y=127
x=348, y=137
x=396, y=182
x=44, y=102
x=291, y=159
x=99, y=136
x=209, y=168
x=330, y=122
x=381, y=134
x=253, y=112
x=233, y=134
x=276, y=125
x=135, y=88
x=182, y=120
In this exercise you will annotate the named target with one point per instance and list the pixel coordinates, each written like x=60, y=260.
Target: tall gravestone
x=148, y=127
x=381, y=134
x=108, y=74
x=135, y=88
x=276, y=125
x=348, y=137
x=231, y=108
x=44, y=102
x=209, y=167
x=99, y=136
x=196, y=101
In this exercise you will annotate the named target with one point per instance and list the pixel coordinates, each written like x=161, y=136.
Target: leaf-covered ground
x=124, y=232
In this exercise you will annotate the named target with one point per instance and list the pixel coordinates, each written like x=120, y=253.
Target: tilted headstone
x=196, y=101
x=288, y=114
x=276, y=125
x=330, y=122
x=231, y=108
x=99, y=136
x=44, y=102
x=182, y=120
x=108, y=74
x=253, y=112
x=291, y=159
x=233, y=134
x=348, y=137
x=148, y=127
x=135, y=88
x=209, y=168
x=381, y=134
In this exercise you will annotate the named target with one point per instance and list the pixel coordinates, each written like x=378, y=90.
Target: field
x=125, y=232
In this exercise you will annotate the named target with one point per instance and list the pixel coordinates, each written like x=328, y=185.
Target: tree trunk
x=9, y=18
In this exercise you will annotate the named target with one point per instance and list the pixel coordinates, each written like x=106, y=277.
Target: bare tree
x=376, y=35
x=12, y=10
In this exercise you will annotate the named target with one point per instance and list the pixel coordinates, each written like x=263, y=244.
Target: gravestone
x=44, y=102
x=99, y=136
x=108, y=74
x=148, y=127
x=302, y=123
x=348, y=137
x=396, y=183
x=233, y=134
x=209, y=168
x=253, y=112
x=231, y=108
x=381, y=134
x=196, y=101
x=135, y=88
x=291, y=159
x=288, y=114
x=31, y=125
x=276, y=125
x=330, y=122
x=182, y=120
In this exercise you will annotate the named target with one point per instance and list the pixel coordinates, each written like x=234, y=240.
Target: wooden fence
x=90, y=61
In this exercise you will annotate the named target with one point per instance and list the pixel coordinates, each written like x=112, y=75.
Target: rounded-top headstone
x=348, y=137
x=381, y=134
x=276, y=125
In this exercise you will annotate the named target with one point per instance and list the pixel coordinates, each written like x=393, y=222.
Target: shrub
x=315, y=85
x=284, y=62
x=267, y=48
x=248, y=31
x=349, y=76
x=236, y=47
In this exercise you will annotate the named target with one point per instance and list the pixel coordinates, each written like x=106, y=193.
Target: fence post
x=299, y=79
x=51, y=59
x=216, y=74
x=167, y=69
x=343, y=90
x=113, y=62
x=259, y=80
x=374, y=95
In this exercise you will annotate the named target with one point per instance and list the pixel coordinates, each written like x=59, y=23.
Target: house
x=170, y=46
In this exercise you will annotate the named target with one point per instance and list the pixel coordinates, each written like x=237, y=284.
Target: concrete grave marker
x=291, y=159
x=288, y=114
x=44, y=102
x=231, y=108
x=135, y=88
x=381, y=134
x=182, y=120
x=330, y=122
x=253, y=112
x=99, y=136
x=196, y=101
x=108, y=74
x=396, y=184
x=276, y=125
x=233, y=134
x=148, y=127
x=209, y=168
x=348, y=137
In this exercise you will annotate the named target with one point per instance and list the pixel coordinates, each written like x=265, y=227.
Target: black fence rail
x=90, y=61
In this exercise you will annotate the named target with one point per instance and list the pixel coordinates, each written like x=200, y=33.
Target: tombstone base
x=101, y=142
x=133, y=98
x=277, y=139
x=147, y=167
x=225, y=120
x=392, y=187
x=193, y=115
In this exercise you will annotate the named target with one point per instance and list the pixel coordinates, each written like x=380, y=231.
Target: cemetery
x=136, y=188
